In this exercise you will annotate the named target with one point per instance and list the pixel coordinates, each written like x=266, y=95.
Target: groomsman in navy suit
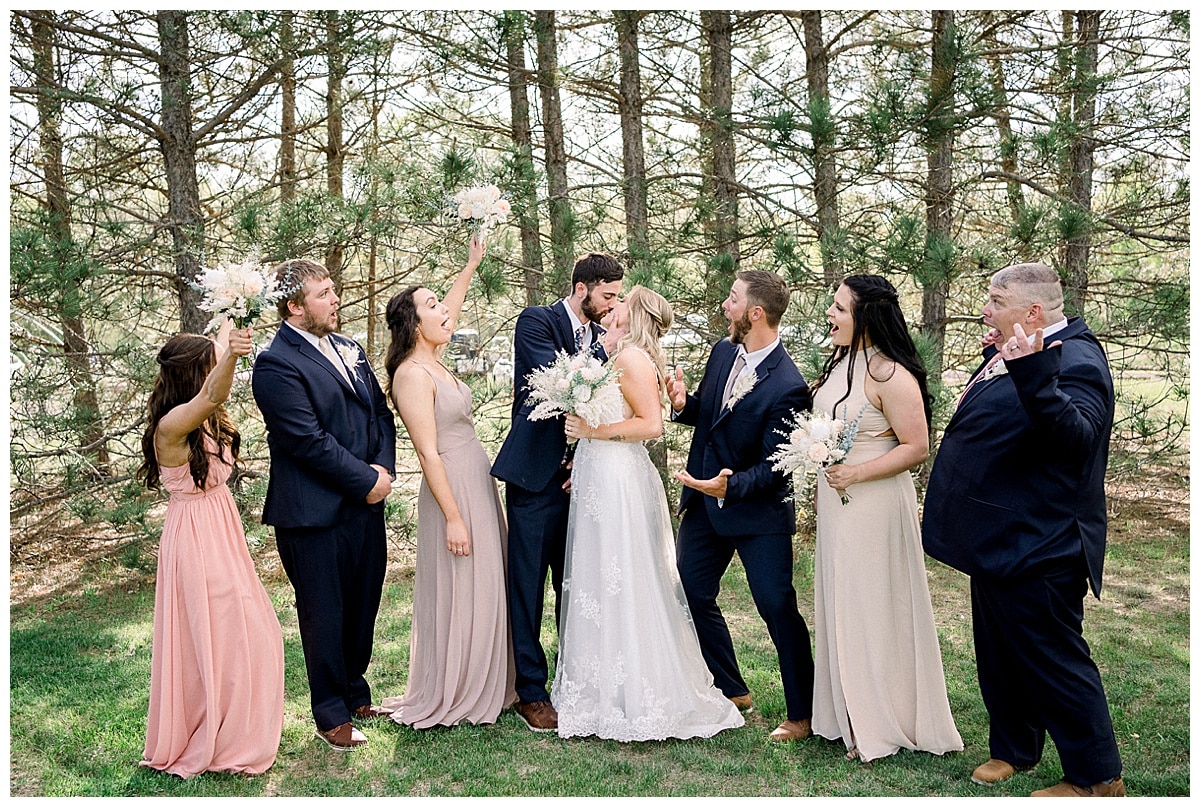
x=332, y=441
x=1016, y=501
x=533, y=464
x=733, y=502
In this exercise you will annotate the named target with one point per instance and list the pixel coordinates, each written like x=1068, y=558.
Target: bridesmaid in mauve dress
x=460, y=660
x=879, y=683
x=216, y=670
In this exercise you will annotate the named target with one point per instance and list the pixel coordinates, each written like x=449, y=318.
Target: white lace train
x=629, y=664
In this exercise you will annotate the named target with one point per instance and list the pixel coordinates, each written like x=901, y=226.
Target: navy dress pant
x=1036, y=675
x=702, y=557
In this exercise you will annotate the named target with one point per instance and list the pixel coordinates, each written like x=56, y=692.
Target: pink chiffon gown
x=216, y=671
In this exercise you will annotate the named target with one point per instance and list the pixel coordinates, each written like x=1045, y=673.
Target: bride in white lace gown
x=629, y=664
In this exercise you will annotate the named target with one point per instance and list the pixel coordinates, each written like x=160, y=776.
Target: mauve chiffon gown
x=216, y=671
x=460, y=655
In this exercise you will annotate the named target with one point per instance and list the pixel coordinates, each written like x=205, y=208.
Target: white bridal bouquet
x=484, y=204
x=240, y=291
x=573, y=385
x=816, y=441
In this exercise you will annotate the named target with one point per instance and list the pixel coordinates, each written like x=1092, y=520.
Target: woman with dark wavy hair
x=460, y=657
x=216, y=669
x=879, y=683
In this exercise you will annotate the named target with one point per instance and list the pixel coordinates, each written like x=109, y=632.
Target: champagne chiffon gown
x=216, y=670
x=879, y=680
x=629, y=663
x=460, y=654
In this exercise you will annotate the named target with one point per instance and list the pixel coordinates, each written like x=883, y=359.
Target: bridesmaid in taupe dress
x=460, y=661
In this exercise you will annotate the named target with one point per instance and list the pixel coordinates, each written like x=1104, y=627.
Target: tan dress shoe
x=792, y=730
x=342, y=738
x=539, y=715
x=743, y=702
x=1114, y=788
x=370, y=712
x=993, y=771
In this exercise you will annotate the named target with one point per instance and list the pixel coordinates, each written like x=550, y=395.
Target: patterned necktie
x=738, y=364
x=579, y=337
x=978, y=377
x=323, y=344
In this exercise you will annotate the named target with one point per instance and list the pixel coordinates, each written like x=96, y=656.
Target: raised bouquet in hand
x=240, y=291
x=484, y=204
x=815, y=442
x=573, y=385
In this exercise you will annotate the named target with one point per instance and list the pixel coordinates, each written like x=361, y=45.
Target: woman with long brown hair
x=460, y=659
x=216, y=671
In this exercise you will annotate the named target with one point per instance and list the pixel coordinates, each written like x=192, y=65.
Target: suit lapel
x=761, y=372
x=562, y=321
x=309, y=351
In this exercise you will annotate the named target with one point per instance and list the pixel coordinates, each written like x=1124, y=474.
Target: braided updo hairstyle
x=402, y=321
x=877, y=315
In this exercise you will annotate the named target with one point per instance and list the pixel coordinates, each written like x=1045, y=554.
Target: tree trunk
x=287, y=86
x=1082, y=148
x=525, y=205
x=1003, y=116
x=335, y=153
x=824, y=138
x=934, y=276
x=634, y=185
x=179, y=162
x=85, y=404
x=718, y=31
x=562, y=223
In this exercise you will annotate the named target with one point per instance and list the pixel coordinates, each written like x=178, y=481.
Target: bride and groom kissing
x=644, y=650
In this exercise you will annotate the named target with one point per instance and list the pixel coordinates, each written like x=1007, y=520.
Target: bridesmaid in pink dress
x=216, y=672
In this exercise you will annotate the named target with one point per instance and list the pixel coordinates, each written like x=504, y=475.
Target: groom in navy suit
x=1016, y=501
x=733, y=501
x=533, y=464
x=333, y=454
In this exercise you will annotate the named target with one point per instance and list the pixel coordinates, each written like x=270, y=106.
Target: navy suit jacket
x=1018, y=483
x=323, y=433
x=757, y=500
x=534, y=449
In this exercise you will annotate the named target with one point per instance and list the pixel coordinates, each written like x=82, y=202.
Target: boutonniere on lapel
x=745, y=382
x=352, y=357
x=996, y=368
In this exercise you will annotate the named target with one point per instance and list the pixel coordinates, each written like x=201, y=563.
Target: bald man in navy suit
x=1016, y=501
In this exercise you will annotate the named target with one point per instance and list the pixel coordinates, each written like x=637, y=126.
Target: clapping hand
x=676, y=391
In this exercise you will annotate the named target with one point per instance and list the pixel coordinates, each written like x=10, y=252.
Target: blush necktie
x=738, y=365
x=327, y=350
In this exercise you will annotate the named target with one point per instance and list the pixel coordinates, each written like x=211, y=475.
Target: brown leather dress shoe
x=342, y=738
x=792, y=730
x=1114, y=788
x=993, y=771
x=743, y=702
x=538, y=715
x=370, y=711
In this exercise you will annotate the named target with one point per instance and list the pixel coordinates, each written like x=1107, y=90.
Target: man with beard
x=332, y=441
x=534, y=465
x=733, y=501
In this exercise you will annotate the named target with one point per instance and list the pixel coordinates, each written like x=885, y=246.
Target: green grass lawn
x=80, y=667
